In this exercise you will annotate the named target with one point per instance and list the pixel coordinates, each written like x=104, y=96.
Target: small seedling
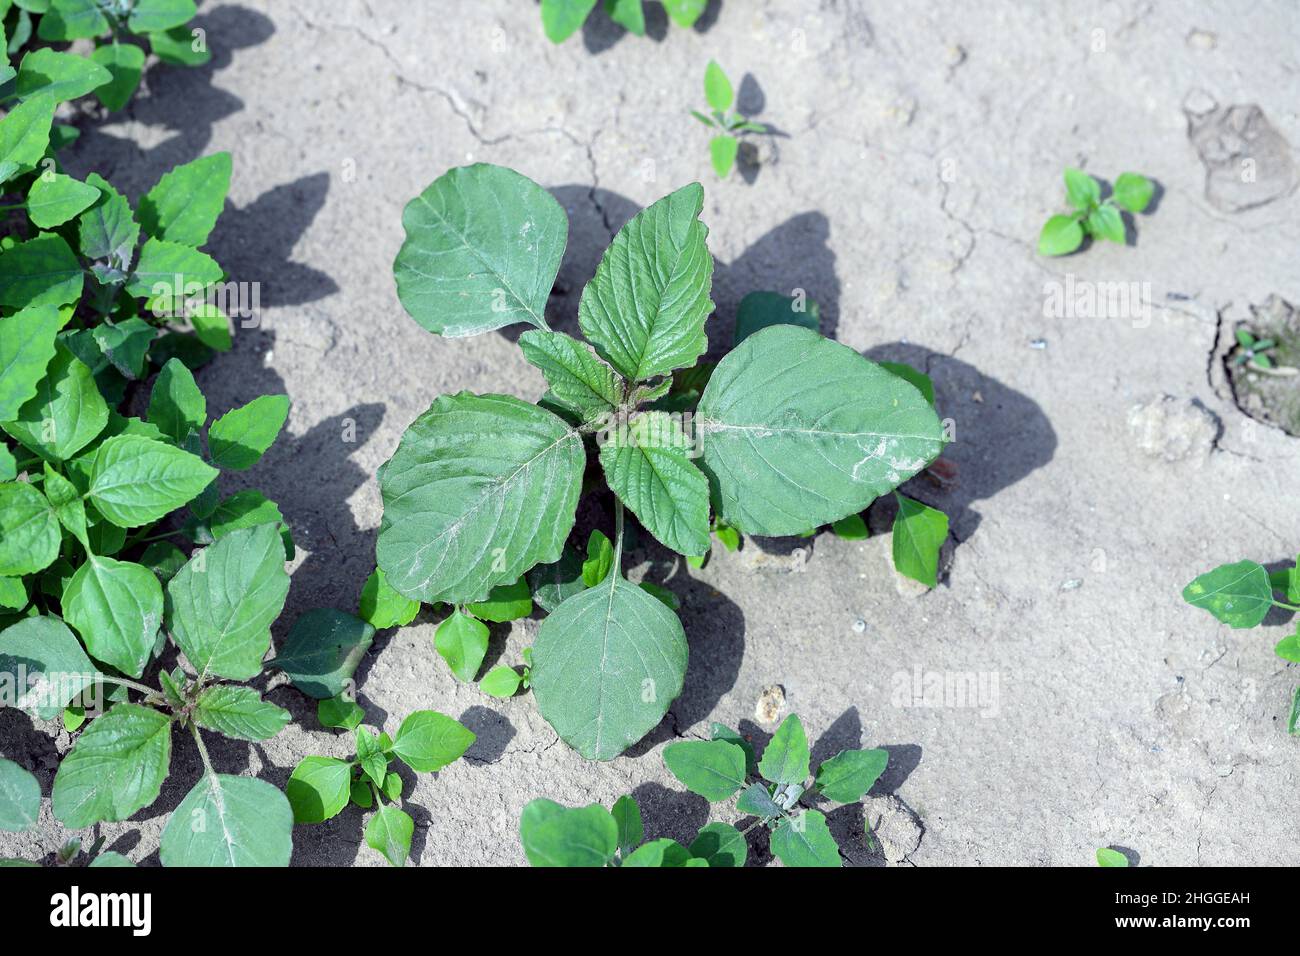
x=1109, y=857
x=1092, y=215
x=1241, y=595
x=20, y=806
x=321, y=787
x=719, y=95
x=1252, y=351
x=790, y=431
x=562, y=18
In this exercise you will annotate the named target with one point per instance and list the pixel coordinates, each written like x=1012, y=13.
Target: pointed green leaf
x=627, y=14
x=180, y=46
x=29, y=530
x=389, y=831
x=176, y=405
x=239, y=712
x=117, y=608
x=149, y=16
x=556, y=835
x=719, y=731
x=627, y=815
x=124, y=63
x=684, y=13
x=108, y=230
x=116, y=767
x=241, y=436
x=714, y=769
x=562, y=18
x=229, y=821
x=318, y=788
x=1237, y=594
x=341, y=711
x=26, y=348
x=322, y=651
x=66, y=413
x=805, y=840
x=1105, y=222
x=501, y=681
x=1108, y=857
x=1060, y=235
x=73, y=20
x=137, y=480
x=758, y=801
x=382, y=607
x=721, y=844
x=462, y=642
x=600, y=559
x=25, y=136
x=786, y=758
x=507, y=602
x=663, y=852
x=799, y=431
x=187, y=201
x=847, y=776
x=40, y=271
x=56, y=198
x=483, y=246
x=20, y=798
x=59, y=76
x=1133, y=191
x=723, y=149
x=169, y=271
x=427, y=741
x=1081, y=189
x=577, y=378
x=44, y=664
x=918, y=536
x=717, y=88
x=607, y=664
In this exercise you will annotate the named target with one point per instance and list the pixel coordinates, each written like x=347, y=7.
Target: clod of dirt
x=770, y=704
x=754, y=559
x=895, y=827
x=1173, y=429
x=1247, y=161
x=1270, y=395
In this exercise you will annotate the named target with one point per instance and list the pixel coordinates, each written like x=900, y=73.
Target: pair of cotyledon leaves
x=792, y=431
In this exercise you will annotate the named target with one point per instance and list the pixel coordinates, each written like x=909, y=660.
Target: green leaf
x=361, y=794
x=717, y=88
x=599, y=561
x=646, y=462
x=176, y=405
x=73, y=20
x=555, y=583
x=501, y=681
x=389, y=831
x=116, y=767
x=248, y=509
x=66, y=413
x=852, y=528
x=757, y=801
x=341, y=711
x=719, y=731
x=137, y=480
x=920, y=380
x=382, y=607
x=66, y=501
x=480, y=489
x=1082, y=190
x=44, y=664
x=20, y=798
x=758, y=310
x=240, y=437
x=847, y=776
x=786, y=758
x=40, y=271
x=427, y=741
x=56, y=198
x=1106, y=223
x=462, y=642
x=108, y=230
x=1287, y=580
x=663, y=852
x=169, y=271
x=25, y=136
x=805, y=840
x=318, y=788
x=323, y=649
x=483, y=246
x=211, y=326
x=59, y=76
x=183, y=207
x=506, y=602
x=239, y=712
x=1109, y=857
x=608, y=663
x=110, y=858
x=799, y=431
x=1289, y=648
x=1238, y=594
x=721, y=844
x=714, y=769
x=1060, y=235
x=684, y=13
x=27, y=344
x=13, y=594
x=29, y=530
x=645, y=308
x=1133, y=191
x=164, y=559
x=371, y=756
x=229, y=821
x=221, y=604
x=722, y=154
x=125, y=345
x=627, y=816
x=125, y=64
x=1293, y=721
x=661, y=594
x=117, y=608
x=578, y=379
x=148, y=16
x=919, y=534
x=562, y=18
x=180, y=46
x=627, y=14
x=555, y=835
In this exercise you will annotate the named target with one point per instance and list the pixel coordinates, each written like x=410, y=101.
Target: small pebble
x=1072, y=584
x=1038, y=344
x=770, y=704
x=859, y=626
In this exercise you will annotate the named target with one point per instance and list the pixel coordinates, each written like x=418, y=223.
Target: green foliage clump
x=562, y=18
x=1092, y=215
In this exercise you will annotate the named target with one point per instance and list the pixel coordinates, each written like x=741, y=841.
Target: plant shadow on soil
x=600, y=33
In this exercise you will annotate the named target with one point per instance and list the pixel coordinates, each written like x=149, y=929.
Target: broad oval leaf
x=481, y=488
x=462, y=642
x=382, y=607
x=483, y=246
x=1060, y=235
x=714, y=769
x=44, y=664
x=40, y=271
x=389, y=831
x=318, y=788
x=627, y=814
x=116, y=767
x=322, y=651
x=29, y=530
x=646, y=462
x=663, y=852
x=26, y=348
x=241, y=436
x=20, y=797
x=645, y=308
x=799, y=431
x=721, y=844
x=239, y=712
x=65, y=414
x=918, y=537
x=786, y=758
x=137, y=480
x=427, y=741
x=116, y=607
x=221, y=604
x=183, y=207
x=847, y=776
x=229, y=821
x=1239, y=594
x=607, y=665
x=507, y=602
x=556, y=835
x=561, y=18
x=805, y=840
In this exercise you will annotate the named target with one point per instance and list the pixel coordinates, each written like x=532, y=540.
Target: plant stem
x=618, y=536
x=1283, y=604
x=142, y=688
x=203, y=751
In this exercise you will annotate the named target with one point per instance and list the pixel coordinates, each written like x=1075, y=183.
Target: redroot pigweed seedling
x=20, y=806
x=719, y=95
x=791, y=431
x=321, y=787
x=1241, y=595
x=1092, y=215
x=1252, y=351
x=562, y=18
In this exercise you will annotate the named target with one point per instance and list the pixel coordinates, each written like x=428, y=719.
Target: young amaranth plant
x=791, y=431
x=1241, y=595
x=112, y=25
x=773, y=790
x=1093, y=216
x=20, y=807
x=562, y=18
x=321, y=787
x=719, y=95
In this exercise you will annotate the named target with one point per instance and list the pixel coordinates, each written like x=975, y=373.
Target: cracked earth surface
x=919, y=151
